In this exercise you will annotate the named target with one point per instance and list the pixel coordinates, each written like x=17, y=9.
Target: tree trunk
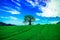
x=30, y=22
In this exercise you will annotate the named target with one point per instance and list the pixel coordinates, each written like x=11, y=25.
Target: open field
x=34, y=32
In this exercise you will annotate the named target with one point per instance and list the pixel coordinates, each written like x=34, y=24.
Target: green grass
x=34, y=32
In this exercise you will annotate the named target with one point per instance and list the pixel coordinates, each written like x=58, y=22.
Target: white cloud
x=51, y=10
x=11, y=11
x=15, y=22
x=16, y=2
x=10, y=17
x=39, y=14
x=36, y=3
x=53, y=22
x=31, y=2
x=37, y=19
x=7, y=7
x=3, y=17
x=14, y=12
x=14, y=18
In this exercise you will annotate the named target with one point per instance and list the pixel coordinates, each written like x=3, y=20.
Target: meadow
x=30, y=32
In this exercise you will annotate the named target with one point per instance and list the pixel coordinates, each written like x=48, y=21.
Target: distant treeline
x=4, y=24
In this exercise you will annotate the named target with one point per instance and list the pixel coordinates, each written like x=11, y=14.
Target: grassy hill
x=34, y=32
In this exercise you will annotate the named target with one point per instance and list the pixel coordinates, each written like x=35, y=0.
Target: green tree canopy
x=29, y=18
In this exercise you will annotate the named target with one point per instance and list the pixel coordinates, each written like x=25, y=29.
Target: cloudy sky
x=44, y=11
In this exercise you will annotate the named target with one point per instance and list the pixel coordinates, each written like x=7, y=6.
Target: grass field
x=34, y=32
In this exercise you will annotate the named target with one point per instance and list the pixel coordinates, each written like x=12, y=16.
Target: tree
x=29, y=19
x=58, y=23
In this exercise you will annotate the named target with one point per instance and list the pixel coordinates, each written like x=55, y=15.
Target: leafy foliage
x=29, y=18
x=58, y=23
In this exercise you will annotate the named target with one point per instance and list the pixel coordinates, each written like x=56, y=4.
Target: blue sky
x=44, y=11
